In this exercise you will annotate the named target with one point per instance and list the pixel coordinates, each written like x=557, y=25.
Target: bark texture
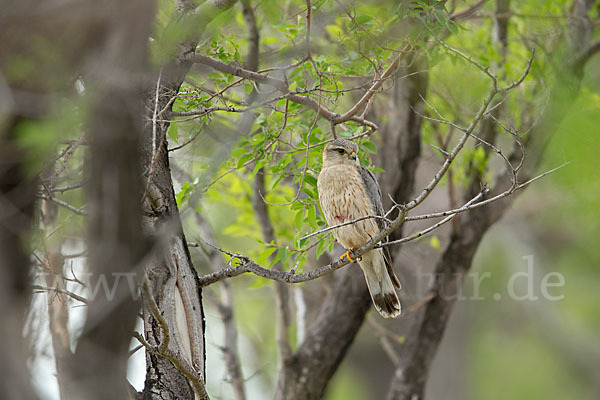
x=170, y=273
x=172, y=279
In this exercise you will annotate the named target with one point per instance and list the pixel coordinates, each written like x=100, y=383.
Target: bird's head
x=340, y=152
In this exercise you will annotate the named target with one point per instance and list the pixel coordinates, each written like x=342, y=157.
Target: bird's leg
x=347, y=255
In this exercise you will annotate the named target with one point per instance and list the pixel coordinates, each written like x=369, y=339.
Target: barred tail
x=380, y=284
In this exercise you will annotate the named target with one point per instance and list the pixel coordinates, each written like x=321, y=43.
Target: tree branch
x=467, y=12
x=588, y=53
x=61, y=291
x=64, y=204
x=281, y=86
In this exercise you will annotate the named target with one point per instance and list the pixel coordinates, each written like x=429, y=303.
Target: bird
x=349, y=191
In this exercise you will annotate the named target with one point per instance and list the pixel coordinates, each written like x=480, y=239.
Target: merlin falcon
x=348, y=191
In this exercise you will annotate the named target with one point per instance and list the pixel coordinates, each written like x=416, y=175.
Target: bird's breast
x=343, y=198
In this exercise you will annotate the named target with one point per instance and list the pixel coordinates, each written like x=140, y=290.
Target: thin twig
x=303, y=176
x=467, y=133
x=62, y=291
x=506, y=193
x=78, y=211
x=588, y=53
x=67, y=188
x=467, y=12
x=283, y=87
x=190, y=140
x=154, y=139
x=330, y=228
x=434, y=226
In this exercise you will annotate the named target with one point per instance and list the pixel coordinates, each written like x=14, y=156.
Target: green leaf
x=276, y=181
x=363, y=19
x=311, y=194
x=330, y=247
x=259, y=121
x=321, y=247
x=264, y=255
x=452, y=27
x=312, y=217
x=299, y=220
x=369, y=147
x=274, y=260
x=302, y=242
x=183, y=194
x=296, y=206
x=310, y=180
x=259, y=164
x=238, y=152
x=282, y=255
x=243, y=160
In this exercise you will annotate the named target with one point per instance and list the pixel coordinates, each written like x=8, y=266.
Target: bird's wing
x=374, y=192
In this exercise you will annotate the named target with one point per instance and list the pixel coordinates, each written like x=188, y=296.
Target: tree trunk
x=171, y=276
x=17, y=195
x=98, y=369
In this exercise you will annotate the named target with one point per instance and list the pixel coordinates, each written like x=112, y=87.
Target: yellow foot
x=347, y=255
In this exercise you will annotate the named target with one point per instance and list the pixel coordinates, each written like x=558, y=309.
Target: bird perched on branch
x=348, y=191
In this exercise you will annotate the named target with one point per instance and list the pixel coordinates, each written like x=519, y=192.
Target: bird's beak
x=353, y=156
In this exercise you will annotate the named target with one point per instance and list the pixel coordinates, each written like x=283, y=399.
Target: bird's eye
x=341, y=151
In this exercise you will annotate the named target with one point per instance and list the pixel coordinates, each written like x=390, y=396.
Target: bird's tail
x=379, y=280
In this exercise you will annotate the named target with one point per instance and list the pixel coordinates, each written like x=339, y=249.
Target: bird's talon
x=347, y=255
